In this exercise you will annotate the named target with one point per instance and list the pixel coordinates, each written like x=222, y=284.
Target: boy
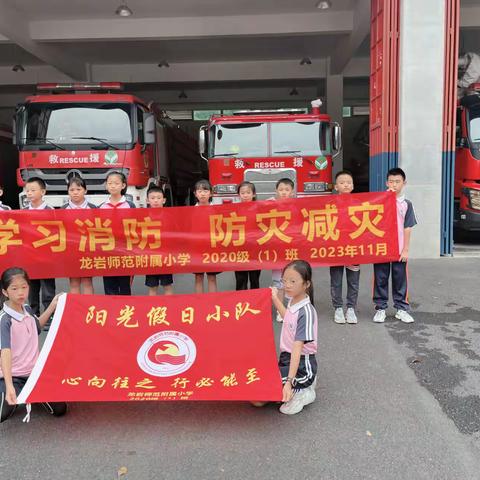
x=285, y=188
x=35, y=189
x=156, y=199
x=2, y=206
x=344, y=185
x=406, y=220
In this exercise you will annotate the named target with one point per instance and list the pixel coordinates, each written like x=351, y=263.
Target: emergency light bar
x=268, y=112
x=107, y=86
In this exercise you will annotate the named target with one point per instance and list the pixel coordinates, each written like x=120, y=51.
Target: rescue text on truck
x=467, y=161
x=264, y=146
x=83, y=129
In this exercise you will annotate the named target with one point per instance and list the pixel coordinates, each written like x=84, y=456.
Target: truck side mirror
x=14, y=130
x=148, y=128
x=19, y=114
x=202, y=142
x=336, y=139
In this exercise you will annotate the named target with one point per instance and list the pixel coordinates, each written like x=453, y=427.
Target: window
x=62, y=123
x=474, y=124
x=300, y=138
x=239, y=140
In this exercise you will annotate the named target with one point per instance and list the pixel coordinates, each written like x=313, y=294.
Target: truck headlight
x=474, y=198
x=225, y=188
x=315, y=186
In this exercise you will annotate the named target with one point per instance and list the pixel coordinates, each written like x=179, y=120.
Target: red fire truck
x=89, y=129
x=264, y=146
x=467, y=161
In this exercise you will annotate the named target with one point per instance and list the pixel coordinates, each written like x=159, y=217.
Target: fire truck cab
x=265, y=146
x=86, y=130
x=467, y=161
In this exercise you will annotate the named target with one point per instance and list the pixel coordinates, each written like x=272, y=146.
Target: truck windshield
x=64, y=123
x=239, y=139
x=474, y=117
x=287, y=139
x=300, y=138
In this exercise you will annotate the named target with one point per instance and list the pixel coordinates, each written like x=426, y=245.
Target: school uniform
x=71, y=206
x=19, y=332
x=117, y=285
x=299, y=323
x=405, y=219
x=44, y=287
x=336, y=285
x=242, y=278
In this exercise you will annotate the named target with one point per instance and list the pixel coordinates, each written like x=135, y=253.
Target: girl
x=76, y=191
x=298, y=340
x=19, y=331
x=247, y=193
x=116, y=183
x=203, y=193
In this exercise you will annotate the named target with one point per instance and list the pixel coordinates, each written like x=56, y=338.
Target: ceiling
x=243, y=47
x=61, y=9
x=208, y=50
x=246, y=46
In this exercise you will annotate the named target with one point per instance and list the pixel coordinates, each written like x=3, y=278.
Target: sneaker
x=351, y=316
x=296, y=404
x=57, y=409
x=404, y=316
x=339, y=317
x=310, y=394
x=379, y=316
x=279, y=318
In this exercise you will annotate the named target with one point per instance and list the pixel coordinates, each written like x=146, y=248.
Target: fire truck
x=263, y=146
x=467, y=161
x=90, y=129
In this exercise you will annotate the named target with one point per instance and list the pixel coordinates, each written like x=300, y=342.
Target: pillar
x=421, y=91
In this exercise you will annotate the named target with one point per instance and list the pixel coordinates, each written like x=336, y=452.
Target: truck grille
x=56, y=179
x=265, y=180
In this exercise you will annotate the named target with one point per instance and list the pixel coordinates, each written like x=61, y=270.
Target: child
x=156, y=199
x=298, y=340
x=203, y=193
x=344, y=185
x=406, y=220
x=2, y=206
x=35, y=190
x=247, y=193
x=76, y=191
x=116, y=183
x=19, y=331
x=285, y=188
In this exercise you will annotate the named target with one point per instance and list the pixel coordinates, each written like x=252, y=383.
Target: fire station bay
x=173, y=92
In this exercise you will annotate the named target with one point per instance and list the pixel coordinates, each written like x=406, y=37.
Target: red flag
x=216, y=346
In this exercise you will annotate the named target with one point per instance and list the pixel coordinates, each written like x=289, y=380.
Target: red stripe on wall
x=452, y=16
x=384, y=58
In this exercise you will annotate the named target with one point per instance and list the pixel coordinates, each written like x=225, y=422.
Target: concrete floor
x=394, y=401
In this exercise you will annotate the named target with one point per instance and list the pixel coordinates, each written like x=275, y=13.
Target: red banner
x=324, y=230
x=182, y=347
